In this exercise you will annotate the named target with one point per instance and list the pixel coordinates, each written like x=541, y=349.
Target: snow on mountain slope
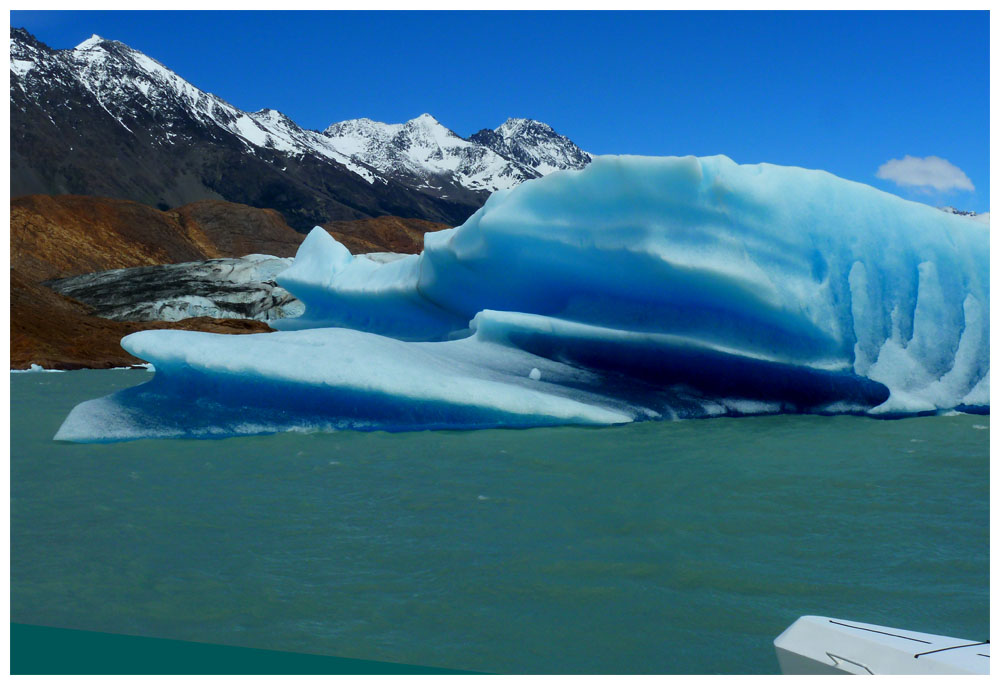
x=146, y=100
x=427, y=151
x=285, y=134
x=32, y=62
x=533, y=144
x=25, y=54
x=125, y=79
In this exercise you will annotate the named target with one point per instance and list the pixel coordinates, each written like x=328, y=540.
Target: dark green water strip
x=59, y=651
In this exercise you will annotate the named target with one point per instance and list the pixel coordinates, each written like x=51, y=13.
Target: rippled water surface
x=672, y=547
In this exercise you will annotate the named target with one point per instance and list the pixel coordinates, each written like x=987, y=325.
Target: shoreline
x=36, y=368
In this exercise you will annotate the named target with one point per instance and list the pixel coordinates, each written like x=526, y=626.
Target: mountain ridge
x=104, y=119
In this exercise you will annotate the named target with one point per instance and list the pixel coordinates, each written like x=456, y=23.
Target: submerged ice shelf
x=636, y=288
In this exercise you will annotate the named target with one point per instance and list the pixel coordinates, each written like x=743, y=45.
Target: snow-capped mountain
x=105, y=119
x=534, y=145
x=128, y=85
x=426, y=153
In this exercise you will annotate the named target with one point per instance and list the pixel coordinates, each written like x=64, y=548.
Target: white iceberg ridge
x=635, y=288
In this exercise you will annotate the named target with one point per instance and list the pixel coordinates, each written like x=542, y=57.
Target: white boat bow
x=822, y=645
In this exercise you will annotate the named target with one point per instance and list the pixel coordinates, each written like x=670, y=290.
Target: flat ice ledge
x=210, y=385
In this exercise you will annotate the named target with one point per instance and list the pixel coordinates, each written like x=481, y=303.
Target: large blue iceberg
x=637, y=288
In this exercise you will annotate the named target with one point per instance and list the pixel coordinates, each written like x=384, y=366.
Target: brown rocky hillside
x=382, y=234
x=65, y=235
x=237, y=230
x=57, y=332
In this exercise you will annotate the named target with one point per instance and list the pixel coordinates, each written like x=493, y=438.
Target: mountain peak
x=271, y=114
x=21, y=42
x=514, y=124
x=21, y=34
x=421, y=166
x=91, y=42
x=533, y=144
x=426, y=120
x=350, y=126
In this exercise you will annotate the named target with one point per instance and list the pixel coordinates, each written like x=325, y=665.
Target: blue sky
x=846, y=92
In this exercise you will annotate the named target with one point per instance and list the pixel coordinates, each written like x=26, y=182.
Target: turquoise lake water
x=668, y=547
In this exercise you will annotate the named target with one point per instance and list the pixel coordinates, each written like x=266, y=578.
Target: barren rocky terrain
x=65, y=235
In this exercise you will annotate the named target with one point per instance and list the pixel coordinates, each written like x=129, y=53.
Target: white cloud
x=925, y=172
